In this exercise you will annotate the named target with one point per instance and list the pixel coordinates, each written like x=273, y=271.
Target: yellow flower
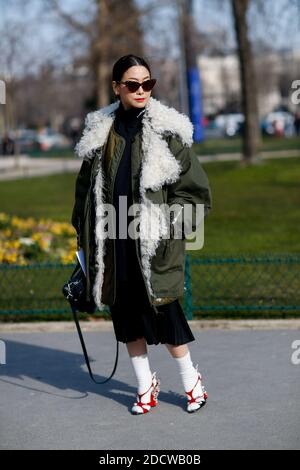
x=44, y=244
x=62, y=228
x=72, y=242
x=4, y=217
x=68, y=258
x=36, y=236
x=7, y=232
x=11, y=257
x=23, y=224
x=15, y=244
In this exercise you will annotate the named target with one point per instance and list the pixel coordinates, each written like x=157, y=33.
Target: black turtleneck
x=127, y=123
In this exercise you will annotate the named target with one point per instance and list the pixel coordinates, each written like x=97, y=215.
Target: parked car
x=49, y=139
x=230, y=124
x=211, y=130
x=280, y=123
x=26, y=140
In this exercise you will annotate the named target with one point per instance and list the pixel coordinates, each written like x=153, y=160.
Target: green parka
x=164, y=170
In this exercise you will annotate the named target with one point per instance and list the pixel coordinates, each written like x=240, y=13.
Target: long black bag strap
x=73, y=308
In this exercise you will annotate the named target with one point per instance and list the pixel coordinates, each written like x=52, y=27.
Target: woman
x=138, y=151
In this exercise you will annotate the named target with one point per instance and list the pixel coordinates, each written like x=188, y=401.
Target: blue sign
x=195, y=103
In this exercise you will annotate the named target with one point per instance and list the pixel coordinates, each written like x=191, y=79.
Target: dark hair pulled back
x=124, y=63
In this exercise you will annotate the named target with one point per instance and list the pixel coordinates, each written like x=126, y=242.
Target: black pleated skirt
x=133, y=316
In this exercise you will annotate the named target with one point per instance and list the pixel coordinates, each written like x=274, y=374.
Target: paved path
x=12, y=168
x=47, y=400
x=236, y=156
x=22, y=166
x=99, y=324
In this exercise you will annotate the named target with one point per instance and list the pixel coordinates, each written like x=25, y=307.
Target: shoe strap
x=142, y=394
x=192, y=399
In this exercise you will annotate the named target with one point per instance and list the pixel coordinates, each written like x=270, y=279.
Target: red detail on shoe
x=153, y=397
x=192, y=399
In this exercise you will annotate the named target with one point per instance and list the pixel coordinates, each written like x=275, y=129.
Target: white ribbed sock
x=143, y=374
x=187, y=371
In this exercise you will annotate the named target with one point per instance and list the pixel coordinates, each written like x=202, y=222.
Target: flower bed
x=26, y=241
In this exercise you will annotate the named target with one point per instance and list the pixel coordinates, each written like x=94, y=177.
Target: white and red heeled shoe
x=140, y=407
x=197, y=396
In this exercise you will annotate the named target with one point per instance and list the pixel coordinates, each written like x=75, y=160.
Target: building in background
x=221, y=83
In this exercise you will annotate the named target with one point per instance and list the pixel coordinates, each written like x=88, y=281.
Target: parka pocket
x=170, y=256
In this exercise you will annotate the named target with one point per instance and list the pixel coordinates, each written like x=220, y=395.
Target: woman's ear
x=114, y=86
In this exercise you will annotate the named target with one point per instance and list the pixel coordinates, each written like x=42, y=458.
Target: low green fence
x=247, y=286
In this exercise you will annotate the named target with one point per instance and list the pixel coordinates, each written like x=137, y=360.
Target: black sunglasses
x=134, y=86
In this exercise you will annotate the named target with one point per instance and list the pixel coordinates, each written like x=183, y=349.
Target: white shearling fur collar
x=158, y=116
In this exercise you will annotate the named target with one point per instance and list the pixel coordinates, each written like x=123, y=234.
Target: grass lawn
x=255, y=209
x=48, y=196
x=213, y=146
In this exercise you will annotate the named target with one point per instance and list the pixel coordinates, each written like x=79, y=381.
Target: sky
x=280, y=28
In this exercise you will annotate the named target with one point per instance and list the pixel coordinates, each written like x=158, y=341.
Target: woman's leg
x=187, y=371
x=177, y=351
x=139, y=358
x=137, y=347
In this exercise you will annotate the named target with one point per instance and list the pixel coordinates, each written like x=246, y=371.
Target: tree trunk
x=251, y=134
x=103, y=47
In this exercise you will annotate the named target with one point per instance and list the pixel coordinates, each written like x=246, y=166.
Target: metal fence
x=243, y=284
x=214, y=285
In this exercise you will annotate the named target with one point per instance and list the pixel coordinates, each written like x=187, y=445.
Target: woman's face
x=136, y=73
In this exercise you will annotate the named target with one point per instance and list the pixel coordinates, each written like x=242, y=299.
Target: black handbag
x=75, y=292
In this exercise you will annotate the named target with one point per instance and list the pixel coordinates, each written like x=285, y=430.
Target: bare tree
x=13, y=64
x=110, y=33
x=251, y=134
